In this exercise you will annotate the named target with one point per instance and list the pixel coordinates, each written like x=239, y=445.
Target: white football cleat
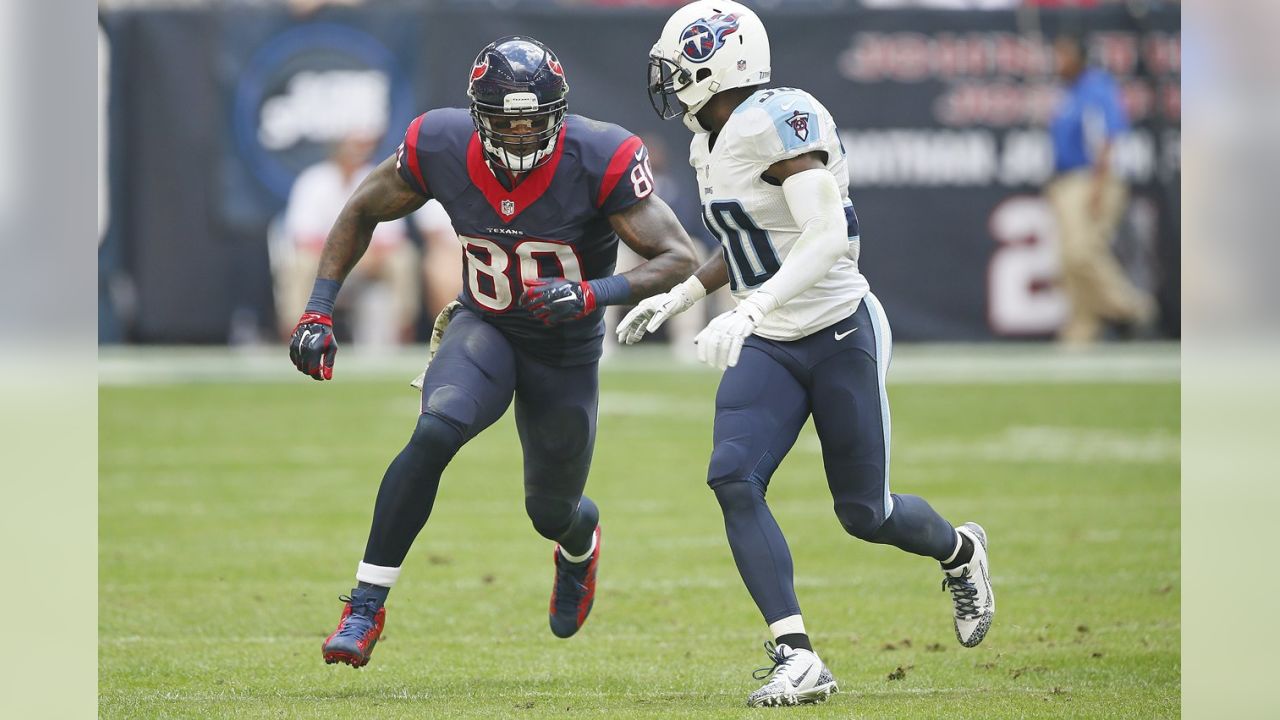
x=970, y=586
x=797, y=677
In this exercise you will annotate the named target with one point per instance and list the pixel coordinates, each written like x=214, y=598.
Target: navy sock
x=795, y=641
x=370, y=590
x=964, y=556
x=577, y=539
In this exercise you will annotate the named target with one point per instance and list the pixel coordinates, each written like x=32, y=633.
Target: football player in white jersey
x=807, y=336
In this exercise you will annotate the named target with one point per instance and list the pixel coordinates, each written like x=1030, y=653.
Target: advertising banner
x=943, y=115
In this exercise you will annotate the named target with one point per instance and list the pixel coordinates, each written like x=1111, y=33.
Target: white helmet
x=706, y=47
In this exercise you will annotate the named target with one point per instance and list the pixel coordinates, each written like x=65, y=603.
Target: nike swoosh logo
x=303, y=342
x=796, y=683
x=640, y=155
x=842, y=335
x=560, y=300
x=787, y=106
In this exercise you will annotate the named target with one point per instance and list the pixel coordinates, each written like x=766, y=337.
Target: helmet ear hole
x=703, y=74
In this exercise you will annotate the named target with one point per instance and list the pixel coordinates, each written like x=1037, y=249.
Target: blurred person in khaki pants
x=1089, y=199
x=386, y=299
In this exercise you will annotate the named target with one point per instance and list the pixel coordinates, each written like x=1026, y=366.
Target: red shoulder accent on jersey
x=509, y=204
x=411, y=152
x=622, y=159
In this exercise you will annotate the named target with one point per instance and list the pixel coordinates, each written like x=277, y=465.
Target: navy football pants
x=837, y=375
x=468, y=386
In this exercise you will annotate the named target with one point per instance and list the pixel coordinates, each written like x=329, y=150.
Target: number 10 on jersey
x=748, y=251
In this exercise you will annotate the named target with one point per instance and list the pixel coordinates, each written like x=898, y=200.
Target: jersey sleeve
x=409, y=157
x=782, y=125
x=627, y=178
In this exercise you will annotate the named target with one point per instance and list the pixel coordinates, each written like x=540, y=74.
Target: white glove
x=652, y=311
x=720, y=342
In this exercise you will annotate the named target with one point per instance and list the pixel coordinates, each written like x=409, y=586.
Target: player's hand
x=313, y=346
x=720, y=342
x=557, y=300
x=652, y=312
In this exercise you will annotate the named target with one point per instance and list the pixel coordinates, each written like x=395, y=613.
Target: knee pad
x=437, y=436
x=453, y=405
x=732, y=462
x=860, y=520
x=551, y=516
x=736, y=496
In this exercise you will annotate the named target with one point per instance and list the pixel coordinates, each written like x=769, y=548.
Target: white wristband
x=693, y=288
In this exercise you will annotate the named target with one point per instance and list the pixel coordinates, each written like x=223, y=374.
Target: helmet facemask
x=520, y=134
x=666, y=80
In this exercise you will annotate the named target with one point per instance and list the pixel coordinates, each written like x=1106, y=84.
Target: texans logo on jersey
x=799, y=122
x=704, y=37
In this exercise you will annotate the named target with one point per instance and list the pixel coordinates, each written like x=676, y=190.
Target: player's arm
x=714, y=274
x=813, y=196
x=651, y=229
x=381, y=197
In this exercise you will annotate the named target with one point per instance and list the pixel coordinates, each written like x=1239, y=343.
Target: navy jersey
x=553, y=224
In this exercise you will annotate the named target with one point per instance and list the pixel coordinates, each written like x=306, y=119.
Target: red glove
x=313, y=346
x=557, y=300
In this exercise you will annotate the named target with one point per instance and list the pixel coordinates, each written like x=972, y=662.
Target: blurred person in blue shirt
x=1089, y=198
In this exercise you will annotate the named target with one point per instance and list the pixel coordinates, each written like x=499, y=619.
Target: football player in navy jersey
x=539, y=199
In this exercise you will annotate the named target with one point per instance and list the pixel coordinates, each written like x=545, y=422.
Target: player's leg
x=1117, y=298
x=851, y=416
x=760, y=408
x=1068, y=196
x=468, y=387
x=556, y=418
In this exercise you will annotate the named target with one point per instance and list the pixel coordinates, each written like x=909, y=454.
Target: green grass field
x=232, y=515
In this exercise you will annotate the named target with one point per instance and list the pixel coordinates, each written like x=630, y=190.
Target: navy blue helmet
x=517, y=92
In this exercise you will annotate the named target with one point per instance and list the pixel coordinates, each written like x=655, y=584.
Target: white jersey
x=751, y=218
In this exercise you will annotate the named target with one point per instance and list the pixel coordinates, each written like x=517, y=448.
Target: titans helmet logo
x=704, y=37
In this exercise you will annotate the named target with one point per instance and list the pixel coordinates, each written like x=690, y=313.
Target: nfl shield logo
x=508, y=207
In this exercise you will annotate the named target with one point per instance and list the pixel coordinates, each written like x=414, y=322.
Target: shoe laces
x=363, y=610
x=780, y=662
x=963, y=593
x=569, y=585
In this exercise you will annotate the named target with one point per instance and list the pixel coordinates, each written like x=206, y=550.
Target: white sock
x=377, y=574
x=954, y=553
x=583, y=556
x=790, y=625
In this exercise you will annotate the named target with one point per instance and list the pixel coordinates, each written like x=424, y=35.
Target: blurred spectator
x=1089, y=199
x=382, y=291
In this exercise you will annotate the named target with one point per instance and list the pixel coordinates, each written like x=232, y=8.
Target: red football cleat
x=574, y=591
x=358, y=630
